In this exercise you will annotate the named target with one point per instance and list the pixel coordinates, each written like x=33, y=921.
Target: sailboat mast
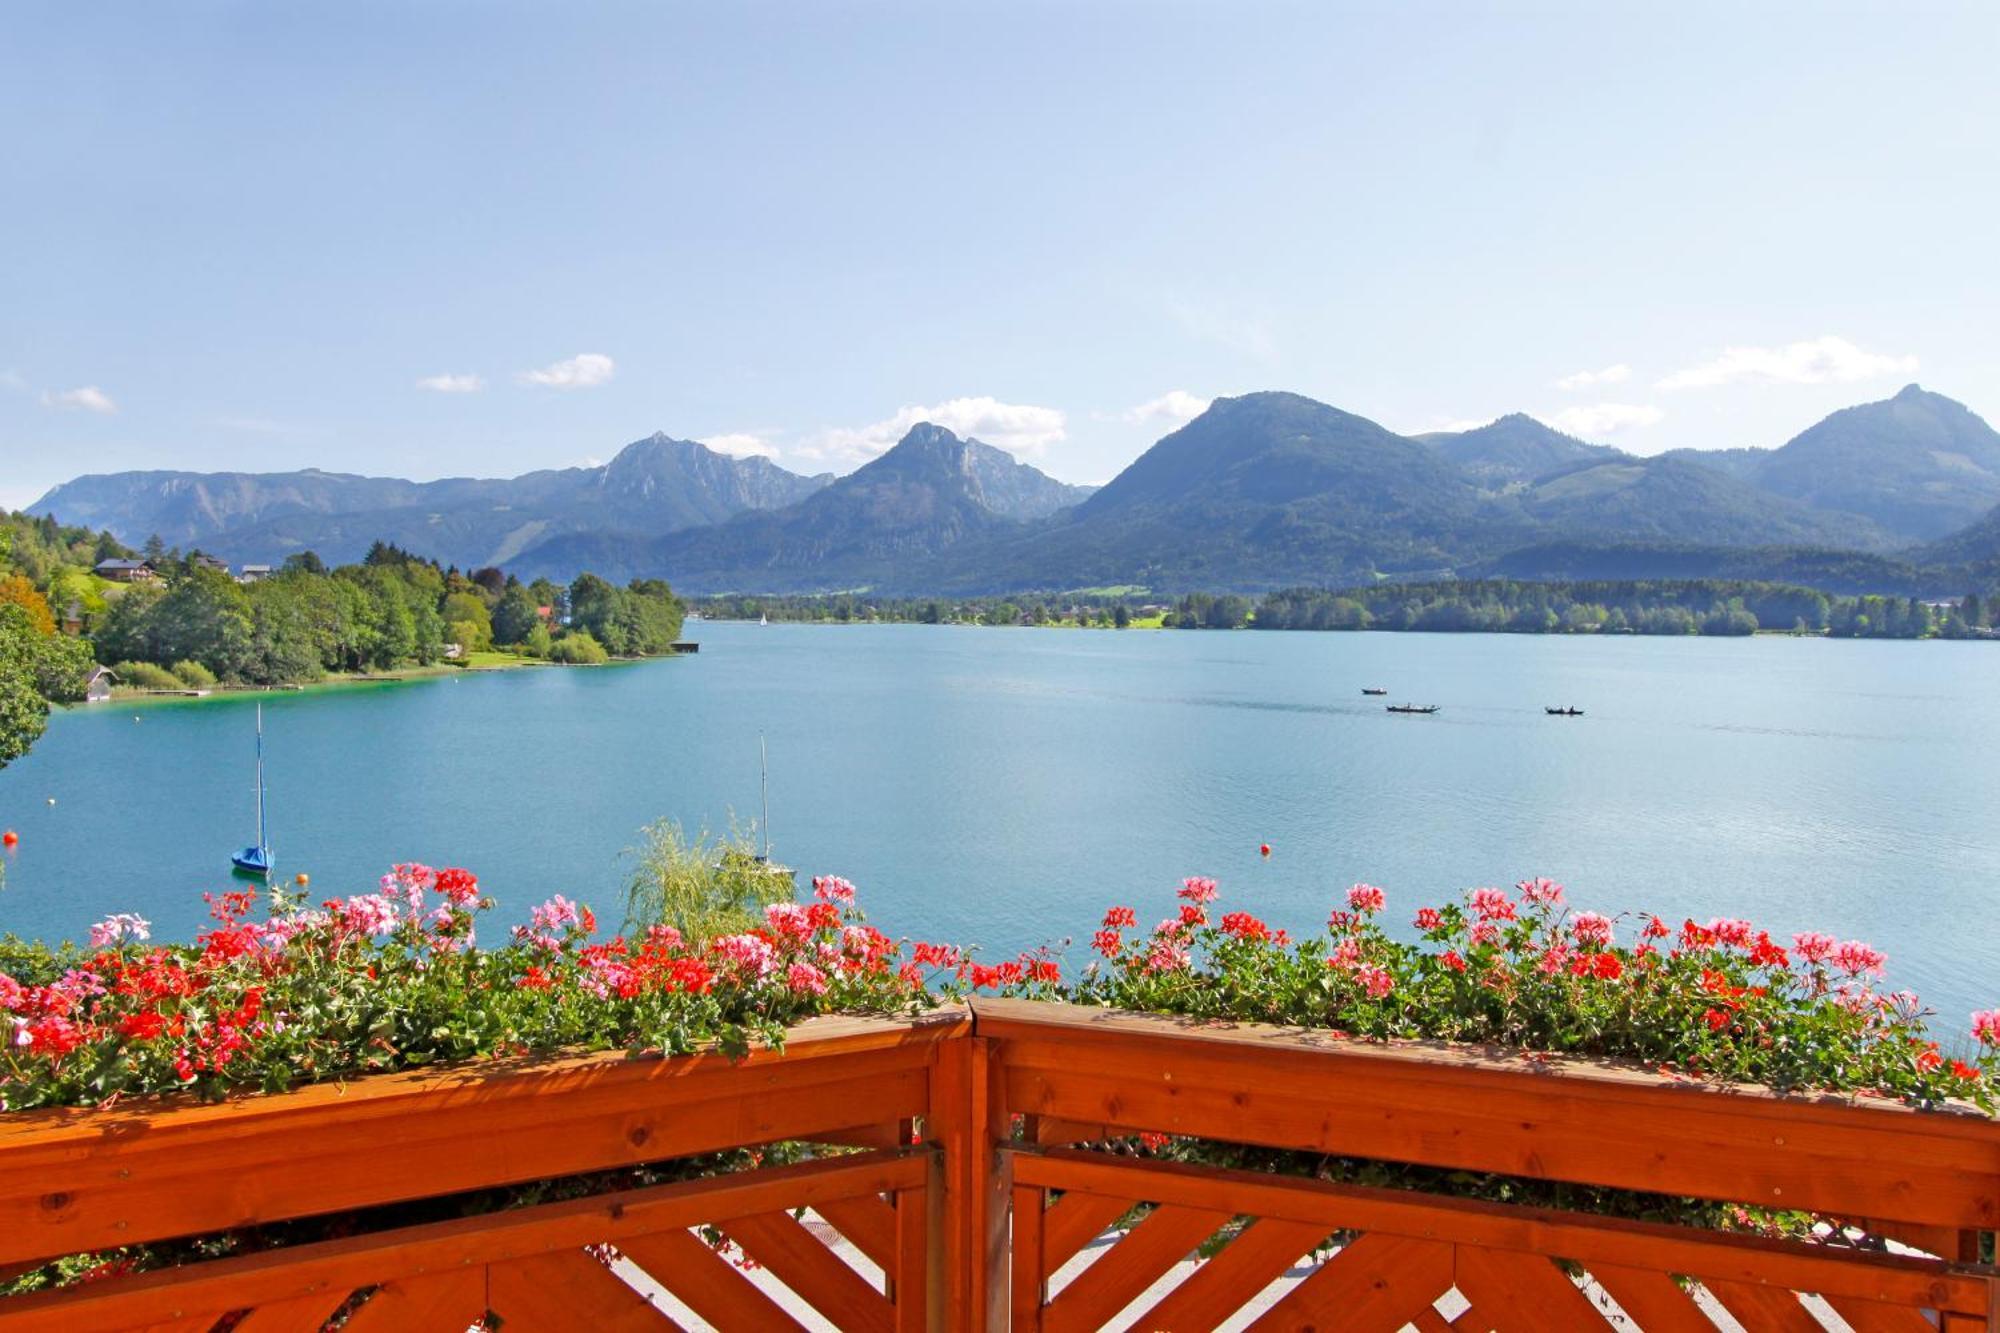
x=262, y=845
x=764, y=789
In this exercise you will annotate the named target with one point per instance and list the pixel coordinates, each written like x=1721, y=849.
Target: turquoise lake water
x=1000, y=786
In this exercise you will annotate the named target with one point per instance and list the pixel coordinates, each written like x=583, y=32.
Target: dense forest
x=1658, y=606
x=193, y=624
x=1095, y=610
x=394, y=609
x=1680, y=606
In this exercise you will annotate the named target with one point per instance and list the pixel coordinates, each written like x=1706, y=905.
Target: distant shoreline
x=1153, y=623
x=347, y=681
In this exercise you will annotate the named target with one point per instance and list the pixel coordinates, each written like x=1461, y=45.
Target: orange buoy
x=10, y=838
x=302, y=880
x=1264, y=851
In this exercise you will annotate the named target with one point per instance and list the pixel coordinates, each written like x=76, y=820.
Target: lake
x=1001, y=786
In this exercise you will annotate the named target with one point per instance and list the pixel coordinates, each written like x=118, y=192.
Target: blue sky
x=445, y=238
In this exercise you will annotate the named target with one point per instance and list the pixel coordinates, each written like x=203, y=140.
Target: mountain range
x=1261, y=490
x=655, y=485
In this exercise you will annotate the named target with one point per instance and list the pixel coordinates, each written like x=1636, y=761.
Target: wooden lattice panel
x=617, y=1262
x=1295, y=1254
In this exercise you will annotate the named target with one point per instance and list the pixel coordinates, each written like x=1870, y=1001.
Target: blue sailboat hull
x=252, y=861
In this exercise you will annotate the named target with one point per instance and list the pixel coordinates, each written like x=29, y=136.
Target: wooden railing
x=77, y=1181
x=1411, y=1259
x=977, y=1158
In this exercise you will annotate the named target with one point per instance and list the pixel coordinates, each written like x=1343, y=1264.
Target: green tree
x=578, y=648
x=653, y=615
x=204, y=616
x=514, y=617
x=468, y=610
x=596, y=607
x=36, y=669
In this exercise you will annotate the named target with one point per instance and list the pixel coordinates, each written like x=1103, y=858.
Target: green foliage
x=468, y=622
x=204, y=616
x=701, y=886
x=578, y=648
x=1202, y=611
x=36, y=669
x=194, y=675
x=641, y=619
x=146, y=676
x=41, y=547
x=391, y=981
x=514, y=616
x=1723, y=1001
x=391, y=611
x=1683, y=606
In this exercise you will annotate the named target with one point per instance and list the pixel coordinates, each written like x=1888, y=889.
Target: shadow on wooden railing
x=978, y=1157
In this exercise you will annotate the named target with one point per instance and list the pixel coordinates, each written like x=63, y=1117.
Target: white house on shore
x=98, y=689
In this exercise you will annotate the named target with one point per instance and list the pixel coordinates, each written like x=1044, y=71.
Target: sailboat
x=759, y=862
x=256, y=858
x=769, y=866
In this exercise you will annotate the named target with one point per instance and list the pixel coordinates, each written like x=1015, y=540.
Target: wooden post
x=974, y=1219
x=913, y=1285
x=1029, y=1285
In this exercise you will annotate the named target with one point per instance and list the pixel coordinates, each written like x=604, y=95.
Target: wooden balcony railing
x=1407, y=1258
x=973, y=1162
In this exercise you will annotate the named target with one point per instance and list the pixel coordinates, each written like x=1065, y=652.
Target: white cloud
x=741, y=444
x=1175, y=405
x=1605, y=418
x=1455, y=426
x=12, y=379
x=586, y=370
x=1584, y=379
x=456, y=383
x=1827, y=360
x=1019, y=428
x=89, y=398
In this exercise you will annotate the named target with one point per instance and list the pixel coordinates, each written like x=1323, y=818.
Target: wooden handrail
x=149, y=1169
x=1584, y=1122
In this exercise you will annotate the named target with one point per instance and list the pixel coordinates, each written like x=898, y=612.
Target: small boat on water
x=1563, y=712
x=1413, y=708
x=256, y=859
x=1373, y=689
